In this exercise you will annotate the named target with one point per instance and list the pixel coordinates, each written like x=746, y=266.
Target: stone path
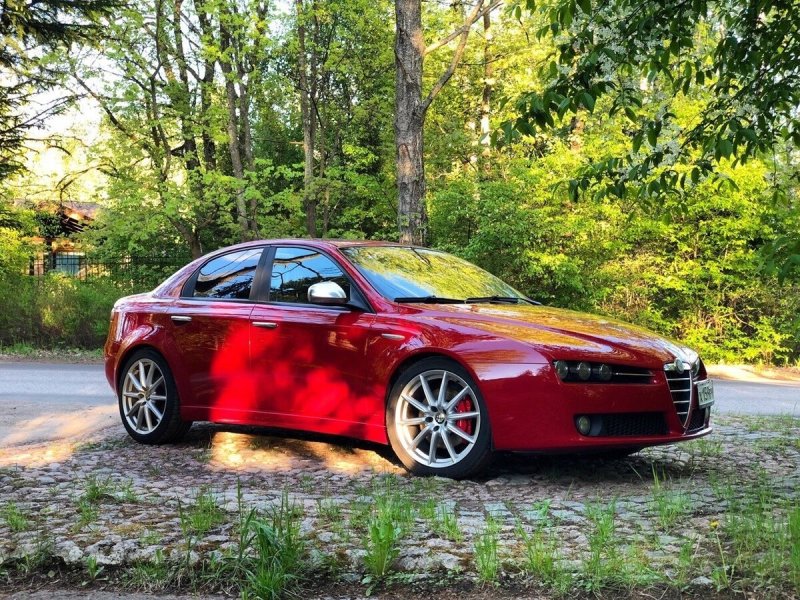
x=115, y=503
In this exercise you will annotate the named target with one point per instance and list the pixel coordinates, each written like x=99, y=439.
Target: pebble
x=534, y=494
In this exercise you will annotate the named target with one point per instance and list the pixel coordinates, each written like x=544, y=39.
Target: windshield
x=407, y=274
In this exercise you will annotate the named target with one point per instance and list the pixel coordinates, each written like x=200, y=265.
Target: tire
x=424, y=429
x=141, y=403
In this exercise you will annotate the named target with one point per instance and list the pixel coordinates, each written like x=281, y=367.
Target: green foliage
x=387, y=523
x=34, y=33
x=637, y=58
x=15, y=518
x=56, y=310
x=574, y=206
x=487, y=561
x=690, y=267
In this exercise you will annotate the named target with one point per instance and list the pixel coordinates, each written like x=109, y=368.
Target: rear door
x=210, y=328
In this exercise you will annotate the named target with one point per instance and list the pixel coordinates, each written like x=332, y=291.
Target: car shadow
x=324, y=449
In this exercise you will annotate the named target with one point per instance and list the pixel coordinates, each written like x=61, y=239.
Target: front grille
x=680, y=385
x=698, y=420
x=623, y=374
x=628, y=424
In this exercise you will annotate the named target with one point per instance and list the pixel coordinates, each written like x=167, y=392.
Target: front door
x=309, y=358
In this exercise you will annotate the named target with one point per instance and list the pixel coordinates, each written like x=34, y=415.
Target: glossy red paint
x=329, y=369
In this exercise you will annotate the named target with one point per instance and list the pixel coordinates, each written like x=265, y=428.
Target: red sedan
x=394, y=344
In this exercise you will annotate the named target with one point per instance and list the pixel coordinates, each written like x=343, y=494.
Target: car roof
x=321, y=243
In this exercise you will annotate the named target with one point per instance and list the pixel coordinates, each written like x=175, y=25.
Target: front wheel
x=148, y=400
x=437, y=421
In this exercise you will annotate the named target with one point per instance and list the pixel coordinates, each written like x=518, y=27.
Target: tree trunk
x=196, y=248
x=309, y=125
x=486, y=98
x=225, y=44
x=409, y=120
x=410, y=108
x=206, y=90
x=246, y=142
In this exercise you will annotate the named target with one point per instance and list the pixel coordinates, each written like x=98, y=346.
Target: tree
x=30, y=32
x=242, y=42
x=635, y=57
x=411, y=107
x=339, y=58
x=307, y=85
x=159, y=107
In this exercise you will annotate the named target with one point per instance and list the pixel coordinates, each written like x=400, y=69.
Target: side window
x=294, y=270
x=229, y=276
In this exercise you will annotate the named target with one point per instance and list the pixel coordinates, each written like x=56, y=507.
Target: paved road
x=40, y=401
x=745, y=397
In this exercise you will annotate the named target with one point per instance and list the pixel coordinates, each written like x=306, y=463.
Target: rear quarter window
x=229, y=276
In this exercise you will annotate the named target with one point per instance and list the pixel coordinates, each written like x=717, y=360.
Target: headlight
x=562, y=369
x=604, y=371
x=570, y=371
x=584, y=370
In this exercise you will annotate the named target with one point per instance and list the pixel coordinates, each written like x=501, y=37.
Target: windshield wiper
x=508, y=299
x=505, y=299
x=428, y=300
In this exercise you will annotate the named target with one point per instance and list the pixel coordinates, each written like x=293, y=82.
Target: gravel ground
x=141, y=490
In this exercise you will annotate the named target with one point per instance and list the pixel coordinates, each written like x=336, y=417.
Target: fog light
x=584, y=424
x=584, y=371
x=604, y=372
x=562, y=369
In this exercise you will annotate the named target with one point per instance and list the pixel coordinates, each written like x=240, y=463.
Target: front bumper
x=530, y=409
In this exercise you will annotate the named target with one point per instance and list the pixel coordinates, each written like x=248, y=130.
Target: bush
x=56, y=310
x=691, y=268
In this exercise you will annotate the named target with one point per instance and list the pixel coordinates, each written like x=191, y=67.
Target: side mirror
x=327, y=293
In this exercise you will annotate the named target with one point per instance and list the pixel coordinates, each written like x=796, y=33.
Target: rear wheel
x=437, y=421
x=148, y=400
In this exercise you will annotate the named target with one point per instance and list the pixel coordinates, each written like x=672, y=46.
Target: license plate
x=705, y=393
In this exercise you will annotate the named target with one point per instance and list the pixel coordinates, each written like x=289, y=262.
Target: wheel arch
x=418, y=357
x=437, y=354
x=125, y=357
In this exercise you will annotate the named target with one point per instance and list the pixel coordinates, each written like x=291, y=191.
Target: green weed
x=93, y=569
x=202, y=515
x=669, y=505
x=15, y=518
x=445, y=524
x=389, y=520
x=151, y=576
x=487, y=561
x=542, y=559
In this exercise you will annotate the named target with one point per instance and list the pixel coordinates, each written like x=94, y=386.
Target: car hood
x=566, y=334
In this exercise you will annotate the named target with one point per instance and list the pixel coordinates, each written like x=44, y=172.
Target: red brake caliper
x=466, y=425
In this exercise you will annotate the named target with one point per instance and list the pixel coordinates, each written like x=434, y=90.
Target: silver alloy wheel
x=437, y=418
x=144, y=396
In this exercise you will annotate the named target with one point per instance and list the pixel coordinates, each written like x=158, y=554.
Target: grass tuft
x=15, y=518
x=487, y=561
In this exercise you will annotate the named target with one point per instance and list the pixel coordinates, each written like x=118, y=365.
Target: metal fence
x=136, y=270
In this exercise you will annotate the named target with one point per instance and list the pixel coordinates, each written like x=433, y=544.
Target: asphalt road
x=43, y=401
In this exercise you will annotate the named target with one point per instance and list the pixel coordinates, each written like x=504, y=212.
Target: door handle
x=180, y=319
x=265, y=324
x=393, y=336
